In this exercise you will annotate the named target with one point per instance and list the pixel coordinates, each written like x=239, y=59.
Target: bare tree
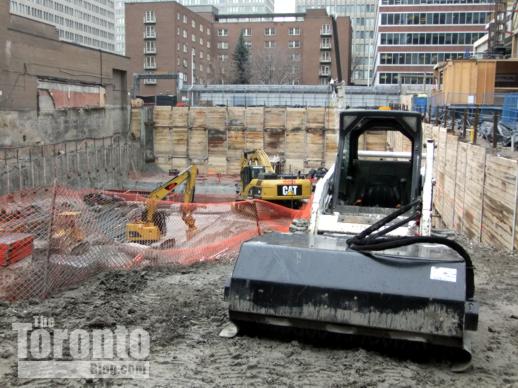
x=223, y=71
x=271, y=66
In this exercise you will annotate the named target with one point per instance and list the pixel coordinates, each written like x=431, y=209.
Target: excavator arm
x=153, y=223
x=188, y=175
x=257, y=158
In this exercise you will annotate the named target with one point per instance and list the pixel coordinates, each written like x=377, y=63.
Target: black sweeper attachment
x=417, y=289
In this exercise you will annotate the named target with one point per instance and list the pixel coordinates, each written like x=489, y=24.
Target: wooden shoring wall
x=476, y=191
x=214, y=138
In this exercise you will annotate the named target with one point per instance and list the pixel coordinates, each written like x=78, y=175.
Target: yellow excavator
x=260, y=181
x=152, y=228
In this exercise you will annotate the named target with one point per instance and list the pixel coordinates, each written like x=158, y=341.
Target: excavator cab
x=251, y=172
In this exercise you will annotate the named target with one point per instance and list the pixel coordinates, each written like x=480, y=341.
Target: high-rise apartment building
x=223, y=7
x=362, y=14
x=86, y=22
x=301, y=48
x=414, y=35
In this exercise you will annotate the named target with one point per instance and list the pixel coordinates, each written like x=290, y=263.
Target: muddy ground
x=183, y=309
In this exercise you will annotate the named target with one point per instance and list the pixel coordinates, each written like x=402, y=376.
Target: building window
x=193, y=38
x=222, y=32
x=185, y=48
x=325, y=29
x=149, y=17
x=405, y=78
x=185, y=33
x=185, y=19
x=149, y=62
x=270, y=31
x=248, y=44
x=223, y=45
x=325, y=43
x=247, y=31
x=223, y=57
x=150, y=32
x=294, y=44
x=193, y=23
x=150, y=47
x=201, y=27
x=325, y=70
x=295, y=57
x=294, y=31
x=429, y=38
x=270, y=44
x=178, y=31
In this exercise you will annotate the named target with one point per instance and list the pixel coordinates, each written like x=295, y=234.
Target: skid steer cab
x=368, y=265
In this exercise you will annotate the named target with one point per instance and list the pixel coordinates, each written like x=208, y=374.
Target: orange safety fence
x=55, y=237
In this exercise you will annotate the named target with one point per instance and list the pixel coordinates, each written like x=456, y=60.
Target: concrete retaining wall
x=90, y=163
x=20, y=128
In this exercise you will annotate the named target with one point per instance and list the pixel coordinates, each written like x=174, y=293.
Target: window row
x=405, y=78
x=420, y=38
x=269, y=31
x=267, y=44
x=417, y=58
x=193, y=23
x=435, y=18
x=405, y=2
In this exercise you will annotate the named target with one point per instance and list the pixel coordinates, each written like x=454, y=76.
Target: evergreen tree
x=241, y=59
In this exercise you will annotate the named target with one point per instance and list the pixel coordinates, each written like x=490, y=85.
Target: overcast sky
x=284, y=5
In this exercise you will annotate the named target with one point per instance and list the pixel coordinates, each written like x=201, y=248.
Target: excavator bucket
x=413, y=293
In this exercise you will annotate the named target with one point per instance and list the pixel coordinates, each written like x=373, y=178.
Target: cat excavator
x=260, y=181
x=151, y=229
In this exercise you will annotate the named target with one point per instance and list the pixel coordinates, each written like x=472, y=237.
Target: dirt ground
x=183, y=310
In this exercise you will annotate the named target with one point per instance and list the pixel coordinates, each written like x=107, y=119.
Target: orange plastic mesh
x=55, y=237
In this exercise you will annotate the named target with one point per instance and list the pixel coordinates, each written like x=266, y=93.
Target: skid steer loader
x=367, y=264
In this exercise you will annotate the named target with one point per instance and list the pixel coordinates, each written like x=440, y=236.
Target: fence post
x=495, y=128
x=464, y=123
x=453, y=120
x=475, y=127
x=49, y=243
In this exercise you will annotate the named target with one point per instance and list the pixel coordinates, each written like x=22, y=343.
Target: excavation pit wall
x=476, y=189
x=89, y=163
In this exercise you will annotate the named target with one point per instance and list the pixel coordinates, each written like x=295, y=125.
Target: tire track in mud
x=183, y=310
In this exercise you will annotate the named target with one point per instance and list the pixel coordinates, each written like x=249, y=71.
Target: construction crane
x=260, y=181
x=152, y=227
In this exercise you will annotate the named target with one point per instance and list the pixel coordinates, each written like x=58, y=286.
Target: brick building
x=305, y=48
x=363, y=16
x=166, y=37
x=53, y=82
x=414, y=35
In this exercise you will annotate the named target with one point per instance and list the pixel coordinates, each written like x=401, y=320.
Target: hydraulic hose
x=370, y=241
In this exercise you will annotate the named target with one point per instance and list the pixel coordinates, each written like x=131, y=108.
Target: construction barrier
x=55, y=237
